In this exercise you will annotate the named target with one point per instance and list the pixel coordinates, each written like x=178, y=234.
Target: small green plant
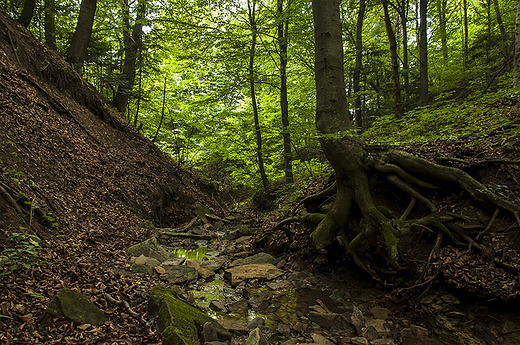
x=22, y=254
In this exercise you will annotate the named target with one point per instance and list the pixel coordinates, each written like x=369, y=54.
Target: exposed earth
x=91, y=187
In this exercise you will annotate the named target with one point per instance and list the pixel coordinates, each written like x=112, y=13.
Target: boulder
x=260, y=258
x=179, y=322
x=256, y=338
x=75, y=307
x=149, y=248
x=238, y=274
x=179, y=274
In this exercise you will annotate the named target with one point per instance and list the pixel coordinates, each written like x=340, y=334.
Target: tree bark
x=441, y=9
x=251, y=4
x=133, y=44
x=466, y=31
x=162, y=112
x=358, y=114
x=50, y=23
x=423, y=52
x=27, y=13
x=283, y=30
x=406, y=67
x=395, y=61
x=516, y=74
x=77, y=50
x=503, y=33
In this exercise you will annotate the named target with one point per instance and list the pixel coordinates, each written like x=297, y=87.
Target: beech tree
x=27, y=13
x=354, y=219
x=78, y=46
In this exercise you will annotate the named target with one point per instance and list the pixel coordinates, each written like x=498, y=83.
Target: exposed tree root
x=414, y=176
x=124, y=304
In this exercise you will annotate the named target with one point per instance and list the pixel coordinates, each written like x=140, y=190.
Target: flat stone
x=324, y=320
x=76, y=307
x=238, y=274
x=381, y=326
x=300, y=327
x=320, y=339
x=140, y=260
x=256, y=338
x=386, y=341
x=449, y=298
x=150, y=248
x=215, y=264
x=256, y=322
x=233, y=325
x=152, y=262
x=140, y=268
x=284, y=329
x=419, y=331
x=173, y=262
x=359, y=341
x=260, y=300
x=209, y=333
x=370, y=333
x=357, y=320
x=193, y=263
x=217, y=306
x=205, y=272
x=260, y=258
x=160, y=270
x=179, y=274
x=380, y=313
x=238, y=305
x=280, y=284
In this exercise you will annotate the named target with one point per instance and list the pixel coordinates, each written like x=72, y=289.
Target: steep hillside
x=76, y=175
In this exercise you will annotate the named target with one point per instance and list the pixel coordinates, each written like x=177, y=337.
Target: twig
x=488, y=227
x=131, y=312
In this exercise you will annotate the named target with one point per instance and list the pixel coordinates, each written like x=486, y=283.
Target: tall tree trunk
x=50, y=23
x=406, y=67
x=251, y=4
x=423, y=52
x=133, y=44
x=516, y=75
x=358, y=66
x=395, y=61
x=441, y=9
x=27, y=13
x=162, y=112
x=77, y=50
x=283, y=30
x=466, y=32
x=503, y=33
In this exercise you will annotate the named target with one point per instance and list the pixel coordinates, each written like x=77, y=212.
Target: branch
x=131, y=312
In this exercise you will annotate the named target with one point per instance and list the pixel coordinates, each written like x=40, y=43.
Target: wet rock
x=256, y=338
x=320, y=339
x=75, y=307
x=260, y=299
x=179, y=274
x=380, y=313
x=209, y=333
x=238, y=274
x=359, y=341
x=357, y=320
x=178, y=321
x=284, y=329
x=260, y=258
x=256, y=322
x=238, y=305
x=233, y=325
x=149, y=248
x=217, y=306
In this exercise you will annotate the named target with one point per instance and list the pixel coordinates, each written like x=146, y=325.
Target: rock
x=260, y=258
x=254, y=271
x=380, y=313
x=281, y=263
x=428, y=299
x=256, y=338
x=201, y=211
x=179, y=274
x=260, y=300
x=300, y=327
x=243, y=239
x=419, y=331
x=217, y=306
x=140, y=268
x=324, y=320
x=321, y=340
x=357, y=320
x=387, y=341
x=173, y=262
x=160, y=270
x=179, y=321
x=233, y=325
x=215, y=264
x=76, y=307
x=381, y=326
x=140, y=260
x=280, y=284
x=284, y=329
x=238, y=305
x=449, y=298
x=256, y=322
x=150, y=248
x=358, y=341
x=205, y=272
x=338, y=295
x=370, y=333
x=193, y=263
x=209, y=333
x=455, y=314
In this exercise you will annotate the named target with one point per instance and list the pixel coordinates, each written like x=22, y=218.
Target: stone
x=160, y=270
x=256, y=322
x=280, y=284
x=381, y=326
x=370, y=333
x=75, y=307
x=233, y=325
x=449, y=298
x=140, y=260
x=150, y=248
x=380, y=313
x=205, y=272
x=320, y=339
x=357, y=320
x=217, y=306
x=152, y=262
x=284, y=329
x=256, y=338
x=386, y=341
x=281, y=264
x=215, y=264
x=243, y=239
x=136, y=268
x=260, y=300
x=179, y=274
x=300, y=327
x=173, y=262
x=359, y=341
x=201, y=211
x=193, y=263
x=260, y=258
x=238, y=274
x=240, y=305
x=209, y=333
x=178, y=321
x=419, y=331
x=455, y=314
x=324, y=320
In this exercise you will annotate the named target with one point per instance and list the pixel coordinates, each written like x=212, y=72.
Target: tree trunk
x=358, y=66
x=251, y=4
x=133, y=45
x=423, y=48
x=441, y=9
x=77, y=50
x=406, y=67
x=466, y=31
x=50, y=23
x=283, y=29
x=27, y=13
x=395, y=61
x=516, y=77
x=503, y=33
x=162, y=112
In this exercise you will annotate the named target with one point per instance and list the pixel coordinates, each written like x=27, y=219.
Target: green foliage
x=22, y=252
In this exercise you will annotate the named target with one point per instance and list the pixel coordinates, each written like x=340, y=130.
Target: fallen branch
x=131, y=312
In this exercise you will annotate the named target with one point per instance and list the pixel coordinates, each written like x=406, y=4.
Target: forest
x=260, y=171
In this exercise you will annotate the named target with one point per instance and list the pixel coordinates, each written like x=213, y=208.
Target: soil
x=89, y=185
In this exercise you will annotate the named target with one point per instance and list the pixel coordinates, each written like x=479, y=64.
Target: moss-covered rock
x=76, y=307
x=149, y=248
x=179, y=322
